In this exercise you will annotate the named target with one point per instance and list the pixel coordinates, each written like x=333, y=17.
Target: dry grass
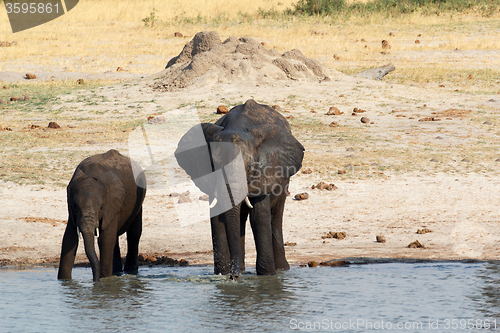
x=100, y=36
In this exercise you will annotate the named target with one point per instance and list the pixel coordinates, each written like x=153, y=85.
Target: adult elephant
x=105, y=198
x=248, y=156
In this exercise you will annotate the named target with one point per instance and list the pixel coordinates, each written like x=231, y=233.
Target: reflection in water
x=238, y=304
x=113, y=303
x=488, y=297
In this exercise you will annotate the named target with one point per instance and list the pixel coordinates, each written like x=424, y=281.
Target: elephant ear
x=192, y=154
x=115, y=195
x=279, y=156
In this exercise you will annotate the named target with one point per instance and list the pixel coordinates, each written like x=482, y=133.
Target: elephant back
x=252, y=114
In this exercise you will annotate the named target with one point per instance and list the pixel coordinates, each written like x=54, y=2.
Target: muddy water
x=427, y=297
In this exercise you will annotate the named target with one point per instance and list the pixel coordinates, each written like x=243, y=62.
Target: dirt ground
x=427, y=159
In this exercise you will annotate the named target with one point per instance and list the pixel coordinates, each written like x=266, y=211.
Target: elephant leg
x=107, y=241
x=243, y=222
x=280, y=261
x=117, y=258
x=134, y=233
x=221, y=249
x=68, y=251
x=260, y=220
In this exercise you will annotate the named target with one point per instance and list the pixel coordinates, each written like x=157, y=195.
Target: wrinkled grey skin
x=103, y=195
x=270, y=156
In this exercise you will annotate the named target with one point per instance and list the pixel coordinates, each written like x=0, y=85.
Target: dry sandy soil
x=394, y=175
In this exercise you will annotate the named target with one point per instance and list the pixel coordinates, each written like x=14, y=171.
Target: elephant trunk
x=234, y=240
x=88, y=241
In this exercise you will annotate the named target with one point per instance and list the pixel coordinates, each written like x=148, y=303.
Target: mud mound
x=206, y=60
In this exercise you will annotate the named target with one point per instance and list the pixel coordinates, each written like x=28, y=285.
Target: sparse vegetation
x=393, y=8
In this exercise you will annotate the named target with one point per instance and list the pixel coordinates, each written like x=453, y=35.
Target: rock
x=53, y=125
x=338, y=235
x=221, y=109
x=321, y=33
x=423, y=231
x=156, y=120
x=307, y=171
x=334, y=263
x=290, y=244
x=430, y=119
x=289, y=117
x=377, y=73
x=33, y=126
x=13, y=99
x=204, y=197
x=380, y=239
x=184, y=199
x=470, y=77
x=350, y=149
x=276, y=108
x=175, y=194
x=487, y=123
x=358, y=110
x=433, y=160
x=25, y=98
x=5, y=44
x=30, y=76
x=465, y=159
x=301, y=196
x=385, y=45
x=417, y=41
x=333, y=111
x=324, y=186
x=178, y=34
x=121, y=69
x=416, y=244
x=312, y=264
x=157, y=259
x=334, y=124
x=80, y=81
x=365, y=120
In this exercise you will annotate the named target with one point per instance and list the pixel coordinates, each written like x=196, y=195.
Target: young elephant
x=104, y=200
x=247, y=156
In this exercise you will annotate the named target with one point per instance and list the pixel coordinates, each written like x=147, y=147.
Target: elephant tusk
x=247, y=201
x=78, y=232
x=97, y=232
x=212, y=205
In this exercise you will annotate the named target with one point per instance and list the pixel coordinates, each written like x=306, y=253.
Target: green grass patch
x=394, y=8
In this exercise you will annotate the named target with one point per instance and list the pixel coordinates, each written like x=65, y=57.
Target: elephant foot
x=131, y=269
x=234, y=277
x=283, y=266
